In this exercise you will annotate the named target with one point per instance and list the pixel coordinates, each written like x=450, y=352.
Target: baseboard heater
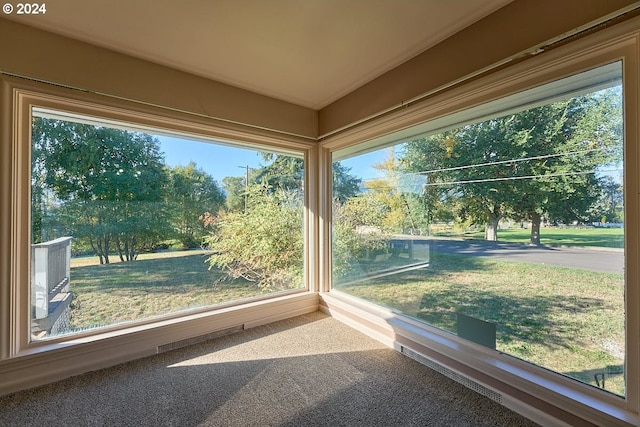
x=199, y=339
x=469, y=383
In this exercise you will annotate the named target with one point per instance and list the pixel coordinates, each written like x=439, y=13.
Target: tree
x=281, y=172
x=609, y=206
x=110, y=184
x=235, y=192
x=192, y=192
x=359, y=231
x=287, y=172
x=263, y=242
x=542, y=161
x=263, y=245
x=399, y=192
x=344, y=185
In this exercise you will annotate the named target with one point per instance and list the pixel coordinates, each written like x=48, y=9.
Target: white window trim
x=618, y=43
x=25, y=364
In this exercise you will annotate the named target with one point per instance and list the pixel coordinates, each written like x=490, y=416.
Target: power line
x=515, y=178
x=501, y=162
x=508, y=178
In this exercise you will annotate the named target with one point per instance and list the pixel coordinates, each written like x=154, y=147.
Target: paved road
x=594, y=259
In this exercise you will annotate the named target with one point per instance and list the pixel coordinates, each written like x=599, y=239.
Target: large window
x=503, y=224
x=130, y=224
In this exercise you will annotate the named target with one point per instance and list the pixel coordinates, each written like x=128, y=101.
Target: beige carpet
x=308, y=371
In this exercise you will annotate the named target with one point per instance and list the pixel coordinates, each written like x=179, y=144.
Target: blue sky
x=217, y=160
x=362, y=165
x=221, y=161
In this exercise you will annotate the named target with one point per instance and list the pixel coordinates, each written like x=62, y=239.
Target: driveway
x=589, y=258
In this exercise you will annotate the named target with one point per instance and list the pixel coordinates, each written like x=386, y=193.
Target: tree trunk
x=491, y=229
x=95, y=249
x=536, y=219
x=120, y=253
x=102, y=243
x=105, y=248
x=133, y=250
x=99, y=249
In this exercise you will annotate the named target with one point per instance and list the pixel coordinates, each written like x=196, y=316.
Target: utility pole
x=246, y=187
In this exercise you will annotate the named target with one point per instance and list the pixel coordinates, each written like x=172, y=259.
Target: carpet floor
x=311, y=370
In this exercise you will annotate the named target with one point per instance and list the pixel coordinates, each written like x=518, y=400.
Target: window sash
x=607, y=47
x=42, y=99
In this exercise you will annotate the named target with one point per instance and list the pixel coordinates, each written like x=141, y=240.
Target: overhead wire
x=499, y=162
x=514, y=178
x=508, y=178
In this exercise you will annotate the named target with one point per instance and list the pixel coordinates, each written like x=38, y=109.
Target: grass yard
x=567, y=320
x=602, y=237
x=153, y=285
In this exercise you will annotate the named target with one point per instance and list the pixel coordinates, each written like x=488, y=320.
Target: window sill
x=52, y=361
x=541, y=395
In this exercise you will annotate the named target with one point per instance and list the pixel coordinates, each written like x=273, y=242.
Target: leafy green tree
x=287, y=172
x=344, y=184
x=192, y=192
x=360, y=231
x=263, y=245
x=110, y=184
x=541, y=161
x=609, y=206
x=235, y=191
x=38, y=176
x=281, y=172
x=400, y=193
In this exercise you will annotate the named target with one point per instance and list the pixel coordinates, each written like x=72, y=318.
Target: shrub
x=263, y=245
x=359, y=233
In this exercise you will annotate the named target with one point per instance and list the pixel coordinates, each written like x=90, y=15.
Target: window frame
x=501, y=372
x=22, y=367
x=19, y=355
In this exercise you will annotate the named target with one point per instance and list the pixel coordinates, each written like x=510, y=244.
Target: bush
x=263, y=245
x=359, y=233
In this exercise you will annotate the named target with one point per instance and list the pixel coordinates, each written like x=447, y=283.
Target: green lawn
x=154, y=285
x=602, y=237
x=567, y=320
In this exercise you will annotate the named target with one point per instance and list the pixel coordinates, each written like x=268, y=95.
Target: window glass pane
x=507, y=231
x=129, y=225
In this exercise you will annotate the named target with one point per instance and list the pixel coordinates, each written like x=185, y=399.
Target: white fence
x=50, y=277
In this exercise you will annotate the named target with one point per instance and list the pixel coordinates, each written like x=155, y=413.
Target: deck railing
x=50, y=277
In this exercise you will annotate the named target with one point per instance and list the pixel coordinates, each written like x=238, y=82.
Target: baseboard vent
x=477, y=387
x=199, y=339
